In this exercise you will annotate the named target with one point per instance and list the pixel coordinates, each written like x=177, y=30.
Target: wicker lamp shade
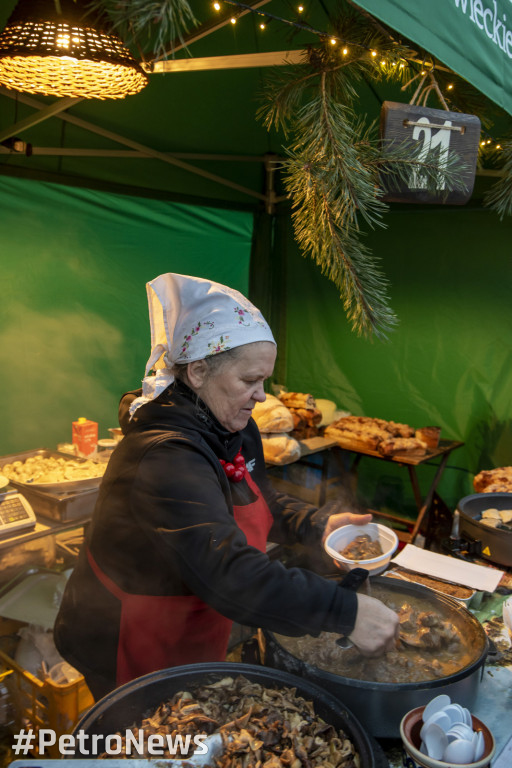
x=65, y=54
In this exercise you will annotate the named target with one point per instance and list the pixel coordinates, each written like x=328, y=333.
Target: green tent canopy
x=472, y=37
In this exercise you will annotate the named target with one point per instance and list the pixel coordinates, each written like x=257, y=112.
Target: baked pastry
x=403, y=446
x=280, y=448
x=297, y=400
x=399, y=430
x=272, y=416
x=494, y=480
x=429, y=436
x=303, y=417
x=355, y=441
x=363, y=433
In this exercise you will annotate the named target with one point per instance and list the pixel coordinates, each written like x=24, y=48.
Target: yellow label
x=486, y=551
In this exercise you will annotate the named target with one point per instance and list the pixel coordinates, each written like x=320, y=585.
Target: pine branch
x=320, y=231
x=499, y=197
x=333, y=175
x=150, y=23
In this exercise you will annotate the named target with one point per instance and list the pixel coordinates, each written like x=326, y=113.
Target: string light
x=490, y=144
x=332, y=39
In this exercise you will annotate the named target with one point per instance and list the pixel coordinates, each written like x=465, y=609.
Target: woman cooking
x=176, y=548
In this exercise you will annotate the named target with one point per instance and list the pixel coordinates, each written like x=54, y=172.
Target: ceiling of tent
x=189, y=135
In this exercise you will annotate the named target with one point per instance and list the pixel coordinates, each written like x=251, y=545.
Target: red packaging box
x=85, y=436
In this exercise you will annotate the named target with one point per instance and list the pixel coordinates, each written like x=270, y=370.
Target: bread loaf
x=279, y=448
x=272, y=416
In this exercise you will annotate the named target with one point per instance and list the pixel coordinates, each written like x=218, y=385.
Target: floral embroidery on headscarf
x=245, y=317
x=214, y=347
x=242, y=320
x=195, y=330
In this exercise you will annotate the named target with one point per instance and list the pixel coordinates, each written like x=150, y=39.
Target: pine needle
x=153, y=24
x=499, y=197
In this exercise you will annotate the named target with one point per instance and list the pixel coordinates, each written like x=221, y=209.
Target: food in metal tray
x=362, y=548
x=39, y=470
x=260, y=726
x=454, y=590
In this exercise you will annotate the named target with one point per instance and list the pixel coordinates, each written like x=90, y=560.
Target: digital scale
x=16, y=514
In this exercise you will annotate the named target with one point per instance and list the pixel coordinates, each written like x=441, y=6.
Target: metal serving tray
x=73, y=500
x=66, y=486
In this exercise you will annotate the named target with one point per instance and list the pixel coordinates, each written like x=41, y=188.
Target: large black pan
x=128, y=704
x=381, y=706
x=495, y=543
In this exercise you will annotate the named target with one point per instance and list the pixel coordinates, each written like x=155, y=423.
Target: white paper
x=448, y=568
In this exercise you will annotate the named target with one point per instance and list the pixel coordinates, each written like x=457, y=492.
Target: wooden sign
x=434, y=130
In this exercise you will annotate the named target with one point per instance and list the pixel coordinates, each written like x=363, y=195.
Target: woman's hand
x=376, y=629
x=344, y=518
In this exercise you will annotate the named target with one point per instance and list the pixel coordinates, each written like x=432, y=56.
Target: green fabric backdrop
x=449, y=363
x=74, y=329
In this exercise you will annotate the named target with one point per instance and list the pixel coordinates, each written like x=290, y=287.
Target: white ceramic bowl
x=340, y=538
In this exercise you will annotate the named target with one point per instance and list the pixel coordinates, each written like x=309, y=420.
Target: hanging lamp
x=65, y=52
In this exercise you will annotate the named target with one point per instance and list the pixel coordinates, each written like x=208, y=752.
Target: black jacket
x=163, y=525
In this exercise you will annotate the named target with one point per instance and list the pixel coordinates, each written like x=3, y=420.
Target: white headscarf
x=191, y=319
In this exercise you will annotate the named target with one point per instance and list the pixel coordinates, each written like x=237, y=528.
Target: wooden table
x=411, y=462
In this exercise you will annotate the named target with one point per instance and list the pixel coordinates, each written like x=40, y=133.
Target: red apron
x=157, y=632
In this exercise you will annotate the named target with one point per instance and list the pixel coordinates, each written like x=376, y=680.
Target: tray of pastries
x=381, y=437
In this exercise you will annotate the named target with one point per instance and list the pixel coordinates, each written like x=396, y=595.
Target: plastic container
x=105, y=448
x=341, y=537
x=42, y=704
x=410, y=727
